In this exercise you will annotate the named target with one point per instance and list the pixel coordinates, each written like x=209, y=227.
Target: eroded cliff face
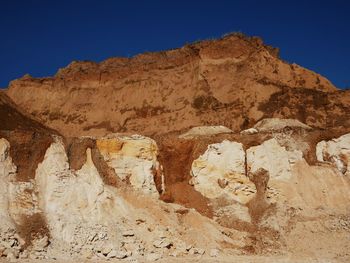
x=239, y=153
x=234, y=81
x=230, y=193
x=85, y=218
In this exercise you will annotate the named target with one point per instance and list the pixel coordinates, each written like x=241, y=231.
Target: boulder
x=196, y=251
x=249, y=131
x=120, y=254
x=162, y=243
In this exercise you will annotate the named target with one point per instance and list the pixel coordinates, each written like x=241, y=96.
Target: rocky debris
x=226, y=208
x=41, y=244
x=11, y=254
x=179, y=249
x=214, y=252
x=221, y=170
x=249, y=131
x=277, y=124
x=120, y=254
x=134, y=159
x=128, y=233
x=196, y=251
x=337, y=152
x=151, y=257
x=132, y=245
x=11, y=244
x=204, y=131
x=338, y=224
x=162, y=243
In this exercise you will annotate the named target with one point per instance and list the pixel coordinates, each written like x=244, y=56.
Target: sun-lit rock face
x=273, y=158
x=7, y=169
x=336, y=151
x=6, y=166
x=221, y=170
x=86, y=217
x=77, y=197
x=72, y=199
x=233, y=81
x=268, y=187
x=133, y=159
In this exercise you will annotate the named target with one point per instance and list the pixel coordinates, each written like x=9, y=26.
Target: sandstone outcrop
x=234, y=81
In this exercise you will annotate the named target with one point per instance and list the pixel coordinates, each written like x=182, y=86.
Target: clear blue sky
x=38, y=37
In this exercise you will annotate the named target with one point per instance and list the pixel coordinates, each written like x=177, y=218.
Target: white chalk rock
x=72, y=199
x=336, y=151
x=273, y=158
x=133, y=158
x=221, y=169
x=249, y=131
x=7, y=169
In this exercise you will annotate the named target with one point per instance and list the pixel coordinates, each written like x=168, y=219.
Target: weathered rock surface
x=205, y=131
x=7, y=170
x=134, y=159
x=58, y=186
x=87, y=218
x=227, y=189
x=337, y=152
x=221, y=170
x=277, y=124
x=234, y=81
x=274, y=158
